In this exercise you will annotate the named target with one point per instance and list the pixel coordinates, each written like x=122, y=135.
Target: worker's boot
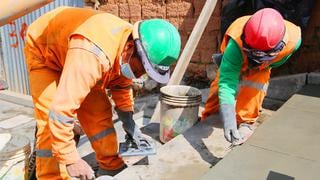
x=32, y=158
x=245, y=131
x=32, y=166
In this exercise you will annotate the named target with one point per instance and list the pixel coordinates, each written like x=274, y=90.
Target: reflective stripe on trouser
x=43, y=82
x=95, y=117
x=251, y=92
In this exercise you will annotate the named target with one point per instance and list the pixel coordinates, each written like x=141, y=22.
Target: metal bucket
x=179, y=107
x=14, y=152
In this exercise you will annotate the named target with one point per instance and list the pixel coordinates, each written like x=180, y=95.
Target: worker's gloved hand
x=228, y=117
x=80, y=169
x=128, y=124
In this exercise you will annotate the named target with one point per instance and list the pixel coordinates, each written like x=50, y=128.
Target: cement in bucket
x=179, y=107
x=14, y=152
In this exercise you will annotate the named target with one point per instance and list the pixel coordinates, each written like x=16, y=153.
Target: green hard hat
x=161, y=43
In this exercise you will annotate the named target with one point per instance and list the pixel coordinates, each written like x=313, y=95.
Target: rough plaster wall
x=184, y=13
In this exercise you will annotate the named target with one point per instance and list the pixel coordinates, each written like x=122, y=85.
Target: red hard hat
x=264, y=30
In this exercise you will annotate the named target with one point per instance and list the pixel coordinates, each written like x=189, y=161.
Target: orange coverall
x=252, y=82
x=72, y=56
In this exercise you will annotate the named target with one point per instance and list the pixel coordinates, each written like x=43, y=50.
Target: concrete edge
x=283, y=87
x=17, y=98
x=313, y=78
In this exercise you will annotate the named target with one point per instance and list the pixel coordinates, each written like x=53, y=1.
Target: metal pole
x=188, y=51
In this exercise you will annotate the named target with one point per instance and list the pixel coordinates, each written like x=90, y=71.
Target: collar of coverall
x=149, y=67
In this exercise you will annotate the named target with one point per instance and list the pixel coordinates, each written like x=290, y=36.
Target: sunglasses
x=259, y=53
x=261, y=56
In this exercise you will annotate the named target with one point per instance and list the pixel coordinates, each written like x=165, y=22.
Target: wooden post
x=188, y=51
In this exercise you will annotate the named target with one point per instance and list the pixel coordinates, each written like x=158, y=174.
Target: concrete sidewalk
x=16, y=114
x=202, y=146
x=16, y=117
x=285, y=147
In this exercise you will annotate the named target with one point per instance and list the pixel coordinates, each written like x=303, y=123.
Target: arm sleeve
x=229, y=73
x=284, y=59
x=81, y=71
x=122, y=93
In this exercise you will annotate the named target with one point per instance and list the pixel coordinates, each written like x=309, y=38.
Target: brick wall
x=184, y=13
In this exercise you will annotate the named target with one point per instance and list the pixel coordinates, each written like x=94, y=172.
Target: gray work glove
x=228, y=117
x=128, y=124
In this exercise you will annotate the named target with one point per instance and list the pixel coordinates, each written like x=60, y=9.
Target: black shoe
x=114, y=172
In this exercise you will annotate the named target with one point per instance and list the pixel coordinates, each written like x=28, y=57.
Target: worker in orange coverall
x=73, y=55
x=251, y=46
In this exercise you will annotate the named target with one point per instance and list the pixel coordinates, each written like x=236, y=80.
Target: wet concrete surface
x=187, y=156
x=287, y=146
x=252, y=163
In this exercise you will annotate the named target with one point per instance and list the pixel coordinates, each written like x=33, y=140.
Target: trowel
x=131, y=148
